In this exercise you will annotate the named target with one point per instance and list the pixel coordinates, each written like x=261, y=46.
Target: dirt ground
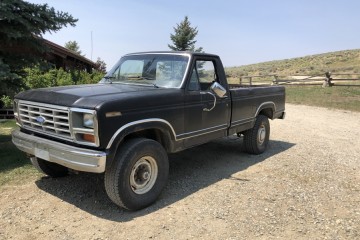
x=306, y=186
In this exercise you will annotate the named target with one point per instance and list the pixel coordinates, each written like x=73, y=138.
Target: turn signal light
x=88, y=137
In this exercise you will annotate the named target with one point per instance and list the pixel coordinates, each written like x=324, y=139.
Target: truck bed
x=248, y=101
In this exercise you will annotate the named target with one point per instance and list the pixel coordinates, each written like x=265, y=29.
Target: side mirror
x=219, y=90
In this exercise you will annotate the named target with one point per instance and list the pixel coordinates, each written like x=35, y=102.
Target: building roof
x=65, y=58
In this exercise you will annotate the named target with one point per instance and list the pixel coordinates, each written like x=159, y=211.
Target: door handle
x=209, y=109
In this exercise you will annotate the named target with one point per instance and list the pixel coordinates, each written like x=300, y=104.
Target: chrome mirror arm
x=209, y=109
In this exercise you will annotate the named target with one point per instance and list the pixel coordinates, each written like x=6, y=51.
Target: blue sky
x=240, y=32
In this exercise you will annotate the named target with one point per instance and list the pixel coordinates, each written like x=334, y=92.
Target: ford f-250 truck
x=149, y=104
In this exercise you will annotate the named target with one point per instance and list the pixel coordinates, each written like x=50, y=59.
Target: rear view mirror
x=219, y=90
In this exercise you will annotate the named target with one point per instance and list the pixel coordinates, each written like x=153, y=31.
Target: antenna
x=91, y=46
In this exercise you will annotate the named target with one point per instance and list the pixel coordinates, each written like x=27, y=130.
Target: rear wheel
x=257, y=138
x=49, y=168
x=138, y=174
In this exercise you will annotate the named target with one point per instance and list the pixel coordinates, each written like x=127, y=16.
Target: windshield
x=159, y=70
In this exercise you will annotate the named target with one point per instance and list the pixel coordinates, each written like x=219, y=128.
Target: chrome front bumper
x=76, y=158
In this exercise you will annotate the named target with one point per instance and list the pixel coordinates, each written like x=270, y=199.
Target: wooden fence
x=326, y=80
x=6, y=113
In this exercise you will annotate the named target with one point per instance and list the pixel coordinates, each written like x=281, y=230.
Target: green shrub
x=38, y=78
x=7, y=101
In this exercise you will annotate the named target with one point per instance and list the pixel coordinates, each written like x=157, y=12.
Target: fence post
x=275, y=81
x=328, y=78
x=250, y=81
x=240, y=80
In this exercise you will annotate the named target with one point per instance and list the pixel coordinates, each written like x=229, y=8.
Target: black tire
x=138, y=174
x=257, y=138
x=49, y=168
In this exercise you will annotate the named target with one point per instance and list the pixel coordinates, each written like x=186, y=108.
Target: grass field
x=14, y=165
x=347, y=98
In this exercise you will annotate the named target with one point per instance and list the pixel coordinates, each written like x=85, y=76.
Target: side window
x=202, y=76
x=206, y=71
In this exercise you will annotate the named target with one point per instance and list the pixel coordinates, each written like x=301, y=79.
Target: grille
x=48, y=119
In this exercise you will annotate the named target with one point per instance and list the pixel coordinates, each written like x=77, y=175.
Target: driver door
x=206, y=115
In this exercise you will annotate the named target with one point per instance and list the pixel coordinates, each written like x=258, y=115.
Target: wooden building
x=67, y=59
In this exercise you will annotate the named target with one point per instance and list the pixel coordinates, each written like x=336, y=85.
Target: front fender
x=147, y=124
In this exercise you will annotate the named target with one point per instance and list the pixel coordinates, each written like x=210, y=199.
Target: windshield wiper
x=109, y=78
x=140, y=78
x=156, y=86
x=143, y=78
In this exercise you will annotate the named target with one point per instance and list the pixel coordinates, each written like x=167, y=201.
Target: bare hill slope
x=347, y=61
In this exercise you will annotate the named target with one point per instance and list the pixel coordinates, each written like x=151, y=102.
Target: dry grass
x=347, y=98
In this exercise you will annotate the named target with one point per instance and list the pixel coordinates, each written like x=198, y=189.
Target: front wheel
x=257, y=138
x=138, y=174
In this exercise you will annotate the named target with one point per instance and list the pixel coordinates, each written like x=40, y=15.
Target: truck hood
x=87, y=96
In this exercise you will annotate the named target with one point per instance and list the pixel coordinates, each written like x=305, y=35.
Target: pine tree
x=100, y=65
x=183, y=38
x=73, y=46
x=22, y=25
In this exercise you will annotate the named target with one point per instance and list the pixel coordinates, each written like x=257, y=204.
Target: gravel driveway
x=306, y=186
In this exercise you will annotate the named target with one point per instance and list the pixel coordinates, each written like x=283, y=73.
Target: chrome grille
x=48, y=119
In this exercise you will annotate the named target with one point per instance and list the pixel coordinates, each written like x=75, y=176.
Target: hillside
x=337, y=62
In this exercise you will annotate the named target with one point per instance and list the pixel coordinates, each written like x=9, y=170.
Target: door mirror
x=219, y=90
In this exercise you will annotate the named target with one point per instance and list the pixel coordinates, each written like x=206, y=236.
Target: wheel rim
x=261, y=134
x=143, y=175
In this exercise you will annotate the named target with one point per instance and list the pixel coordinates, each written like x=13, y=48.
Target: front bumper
x=76, y=158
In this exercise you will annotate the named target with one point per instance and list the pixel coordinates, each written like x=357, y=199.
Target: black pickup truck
x=149, y=104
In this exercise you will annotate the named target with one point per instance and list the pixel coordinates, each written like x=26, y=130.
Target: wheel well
x=267, y=112
x=154, y=134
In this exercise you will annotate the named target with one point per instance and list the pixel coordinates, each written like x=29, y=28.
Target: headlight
x=88, y=120
x=84, y=126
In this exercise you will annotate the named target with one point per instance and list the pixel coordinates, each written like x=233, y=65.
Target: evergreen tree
x=183, y=38
x=73, y=46
x=22, y=25
x=100, y=65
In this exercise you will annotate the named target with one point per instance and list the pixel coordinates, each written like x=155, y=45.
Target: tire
x=138, y=174
x=49, y=168
x=257, y=138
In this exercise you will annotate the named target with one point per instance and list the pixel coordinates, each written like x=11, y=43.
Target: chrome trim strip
x=178, y=137
x=258, y=109
x=138, y=122
x=236, y=123
x=158, y=53
x=82, y=110
x=186, y=71
x=219, y=128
